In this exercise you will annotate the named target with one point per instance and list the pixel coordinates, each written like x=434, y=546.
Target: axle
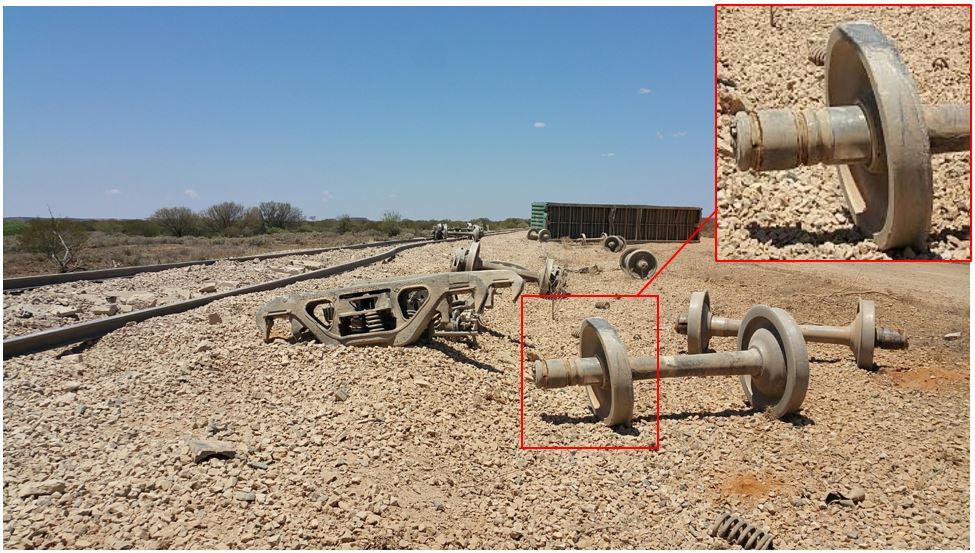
x=886, y=338
x=588, y=371
x=776, y=139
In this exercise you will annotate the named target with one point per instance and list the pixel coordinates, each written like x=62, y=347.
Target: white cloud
x=393, y=196
x=644, y=90
x=680, y=134
x=326, y=197
x=191, y=193
x=660, y=135
x=610, y=154
x=539, y=124
x=113, y=191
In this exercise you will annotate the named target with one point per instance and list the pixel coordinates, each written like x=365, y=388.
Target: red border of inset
x=969, y=260
x=521, y=340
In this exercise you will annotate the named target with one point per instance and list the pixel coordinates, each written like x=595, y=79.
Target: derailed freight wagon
x=639, y=223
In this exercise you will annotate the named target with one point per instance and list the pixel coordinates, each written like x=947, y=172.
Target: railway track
x=93, y=329
x=15, y=284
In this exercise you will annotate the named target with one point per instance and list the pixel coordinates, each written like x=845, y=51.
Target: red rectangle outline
x=521, y=345
x=969, y=260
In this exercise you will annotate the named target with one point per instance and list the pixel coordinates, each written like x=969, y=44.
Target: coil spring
x=817, y=55
x=374, y=322
x=736, y=530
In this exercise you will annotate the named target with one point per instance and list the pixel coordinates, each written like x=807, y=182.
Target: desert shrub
x=61, y=241
x=280, y=215
x=249, y=225
x=177, y=221
x=391, y=223
x=223, y=217
x=343, y=224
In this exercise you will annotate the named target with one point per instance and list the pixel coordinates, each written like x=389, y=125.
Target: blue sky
x=433, y=112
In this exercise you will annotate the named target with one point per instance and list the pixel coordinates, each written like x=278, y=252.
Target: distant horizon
x=431, y=112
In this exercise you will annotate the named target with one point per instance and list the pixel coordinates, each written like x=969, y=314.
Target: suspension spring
x=374, y=322
x=735, y=530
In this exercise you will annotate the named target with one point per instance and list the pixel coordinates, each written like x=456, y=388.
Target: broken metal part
x=736, y=531
x=533, y=234
x=874, y=128
x=862, y=335
x=551, y=280
x=544, y=235
x=394, y=312
x=638, y=263
x=771, y=361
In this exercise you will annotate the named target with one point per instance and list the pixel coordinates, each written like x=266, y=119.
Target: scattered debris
x=736, y=531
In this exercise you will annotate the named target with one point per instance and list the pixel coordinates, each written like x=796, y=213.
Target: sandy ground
x=801, y=213
x=424, y=451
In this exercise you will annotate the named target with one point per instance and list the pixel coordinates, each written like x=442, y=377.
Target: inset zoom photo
x=843, y=133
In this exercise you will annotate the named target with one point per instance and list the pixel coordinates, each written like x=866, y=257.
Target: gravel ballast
x=179, y=433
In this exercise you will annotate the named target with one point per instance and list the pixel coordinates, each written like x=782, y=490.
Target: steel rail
x=38, y=281
x=89, y=330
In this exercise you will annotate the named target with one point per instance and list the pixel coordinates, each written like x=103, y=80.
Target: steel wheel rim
x=893, y=204
x=698, y=317
x=613, y=400
x=864, y=333
x=762, y=320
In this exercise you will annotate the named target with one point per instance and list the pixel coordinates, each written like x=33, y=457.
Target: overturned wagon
x=640, y=223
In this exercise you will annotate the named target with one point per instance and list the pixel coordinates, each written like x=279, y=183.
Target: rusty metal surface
x=874, y=128
x=394, y=312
